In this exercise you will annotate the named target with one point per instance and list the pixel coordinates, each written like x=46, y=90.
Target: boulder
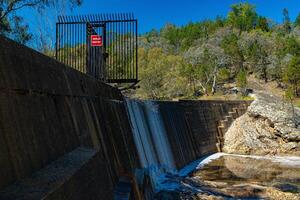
x=270, y=126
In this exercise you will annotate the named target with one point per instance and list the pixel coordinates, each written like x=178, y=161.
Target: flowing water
x=247, y=177
x=219, y=176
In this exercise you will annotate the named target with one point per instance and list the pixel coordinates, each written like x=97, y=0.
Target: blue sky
x=155, y=13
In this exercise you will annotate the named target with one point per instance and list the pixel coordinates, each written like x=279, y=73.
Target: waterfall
x=150, y=135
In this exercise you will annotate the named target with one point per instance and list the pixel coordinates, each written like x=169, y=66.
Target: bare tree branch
x=13, y=6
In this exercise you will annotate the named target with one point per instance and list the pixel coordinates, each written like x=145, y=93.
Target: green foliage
x=287, y=27
x=224, y=74
x=297, y=21
x=184, y=37
x=292, y=75
x=243, y=17
x=292, y=46
x=241, y=79
x=233, y=50
x=198, y=58
x=160, y=75
x=262, y=24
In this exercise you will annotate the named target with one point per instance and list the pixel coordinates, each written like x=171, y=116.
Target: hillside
x=208, y=58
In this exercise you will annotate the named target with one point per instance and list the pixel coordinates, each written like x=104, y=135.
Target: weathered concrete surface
x=48, y=110
x=173, y=134
x=64, y=178
x=192, y=127
x=270, y=126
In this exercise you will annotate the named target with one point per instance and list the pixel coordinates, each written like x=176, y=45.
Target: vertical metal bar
x=77, y=47
x=118, y=53
x=86, y=50
x=81, y=44
x=128, y=48
x=56, y=42
x=72, y=46
x=73, y=36
x=117, y=49
x=114, y=50
x=64, y=43
x=115, y=55
x=136, y=49
x=82, y=47
x=121, y=52
x=108, y=50
x=67, y=44
x=69, y=41
x=82, y=29
x=125, y=49
x=59, y=44
x=104, y=49
x=131, y=50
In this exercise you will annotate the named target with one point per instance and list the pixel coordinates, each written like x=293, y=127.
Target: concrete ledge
x=79, y=174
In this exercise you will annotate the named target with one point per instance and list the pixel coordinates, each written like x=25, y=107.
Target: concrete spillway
x=150, y=134
x=65, y=135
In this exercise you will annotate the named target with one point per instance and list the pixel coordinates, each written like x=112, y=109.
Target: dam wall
x=172, y=134
x=65, y=135
x=48, y=111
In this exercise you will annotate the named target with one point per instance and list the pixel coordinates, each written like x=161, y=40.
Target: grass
x=247, y=98
x=220, y=96
x=297, y=102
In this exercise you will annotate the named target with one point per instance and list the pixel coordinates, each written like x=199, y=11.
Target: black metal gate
x=103, y=46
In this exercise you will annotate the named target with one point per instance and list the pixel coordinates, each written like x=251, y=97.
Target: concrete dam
x=65, y=135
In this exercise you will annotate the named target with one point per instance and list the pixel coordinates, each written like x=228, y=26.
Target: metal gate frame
x=120, y=46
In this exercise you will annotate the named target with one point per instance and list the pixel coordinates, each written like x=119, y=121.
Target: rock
x=293, y=137
x=290, y=146
x=268, y=127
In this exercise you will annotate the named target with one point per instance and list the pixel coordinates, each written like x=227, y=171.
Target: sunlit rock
x=270, y=126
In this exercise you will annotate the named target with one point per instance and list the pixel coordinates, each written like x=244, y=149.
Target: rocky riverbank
x=270, y=126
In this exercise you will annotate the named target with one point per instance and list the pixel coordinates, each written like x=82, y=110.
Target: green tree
x=292, y=75
x=292, y=46
x=262, y=23
x=297, y=21
x=290, y=96
x=171, y=33
x=241, y=80
x=232, y=49
x=286, y=21
x=242, y=16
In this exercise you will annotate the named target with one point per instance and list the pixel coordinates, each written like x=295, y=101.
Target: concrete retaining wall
x=48, y=110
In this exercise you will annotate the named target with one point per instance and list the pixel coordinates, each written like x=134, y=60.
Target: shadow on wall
x=52, y=116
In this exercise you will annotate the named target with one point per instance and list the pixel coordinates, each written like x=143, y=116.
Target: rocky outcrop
x=270, y=126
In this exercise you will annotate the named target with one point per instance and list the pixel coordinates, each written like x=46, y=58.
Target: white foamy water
x=149, y=134
x=293, y=161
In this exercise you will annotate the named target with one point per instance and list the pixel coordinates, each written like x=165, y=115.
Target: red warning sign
x=96, y=41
